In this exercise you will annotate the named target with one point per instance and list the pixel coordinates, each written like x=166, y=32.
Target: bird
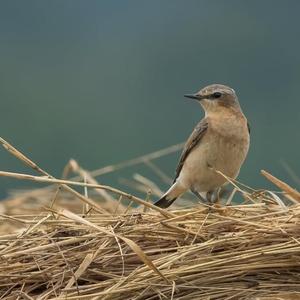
x=219, y=142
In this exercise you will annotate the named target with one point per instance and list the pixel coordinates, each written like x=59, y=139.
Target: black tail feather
x=163, y=202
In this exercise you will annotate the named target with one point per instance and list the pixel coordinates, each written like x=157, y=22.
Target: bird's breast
x=224, y=148
x=229, y=144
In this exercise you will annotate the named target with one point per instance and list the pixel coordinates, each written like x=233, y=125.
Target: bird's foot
x=205, y=200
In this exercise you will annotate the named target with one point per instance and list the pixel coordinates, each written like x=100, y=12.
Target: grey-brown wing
x=192, y=141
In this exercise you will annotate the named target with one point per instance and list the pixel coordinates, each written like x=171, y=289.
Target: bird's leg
x=198, y=195
x=213, y=197
x=217, y=194
x=209, y=197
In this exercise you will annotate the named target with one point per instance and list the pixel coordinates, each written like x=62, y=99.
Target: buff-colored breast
x=224, y=147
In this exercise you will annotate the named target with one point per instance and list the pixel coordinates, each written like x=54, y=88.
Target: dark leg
x=218, y=198
x=197, y=194
x=209, y=197
x=214, y=196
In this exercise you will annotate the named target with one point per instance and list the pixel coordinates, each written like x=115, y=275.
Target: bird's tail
x=170, y=196
x=164, y=202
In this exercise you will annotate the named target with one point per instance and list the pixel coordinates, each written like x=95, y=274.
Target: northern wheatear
x=219, y=142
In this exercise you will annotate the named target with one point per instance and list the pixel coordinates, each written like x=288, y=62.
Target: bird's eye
x=217, y=95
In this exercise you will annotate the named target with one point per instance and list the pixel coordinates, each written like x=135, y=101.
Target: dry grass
x=107, y=250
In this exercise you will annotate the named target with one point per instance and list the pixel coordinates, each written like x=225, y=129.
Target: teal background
x=103, y=81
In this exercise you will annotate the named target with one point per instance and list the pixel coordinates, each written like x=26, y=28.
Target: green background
x=103, y=81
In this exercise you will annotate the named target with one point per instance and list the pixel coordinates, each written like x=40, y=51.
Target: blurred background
x=103, y=81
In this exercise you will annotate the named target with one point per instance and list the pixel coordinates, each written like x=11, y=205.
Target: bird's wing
x=192, y=141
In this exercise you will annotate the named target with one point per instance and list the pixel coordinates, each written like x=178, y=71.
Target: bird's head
x=215, y=97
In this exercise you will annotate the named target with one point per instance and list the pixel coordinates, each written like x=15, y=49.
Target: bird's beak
x=194, y=96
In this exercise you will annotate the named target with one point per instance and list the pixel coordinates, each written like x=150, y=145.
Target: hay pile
x=235, y=252
x=246, y=251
